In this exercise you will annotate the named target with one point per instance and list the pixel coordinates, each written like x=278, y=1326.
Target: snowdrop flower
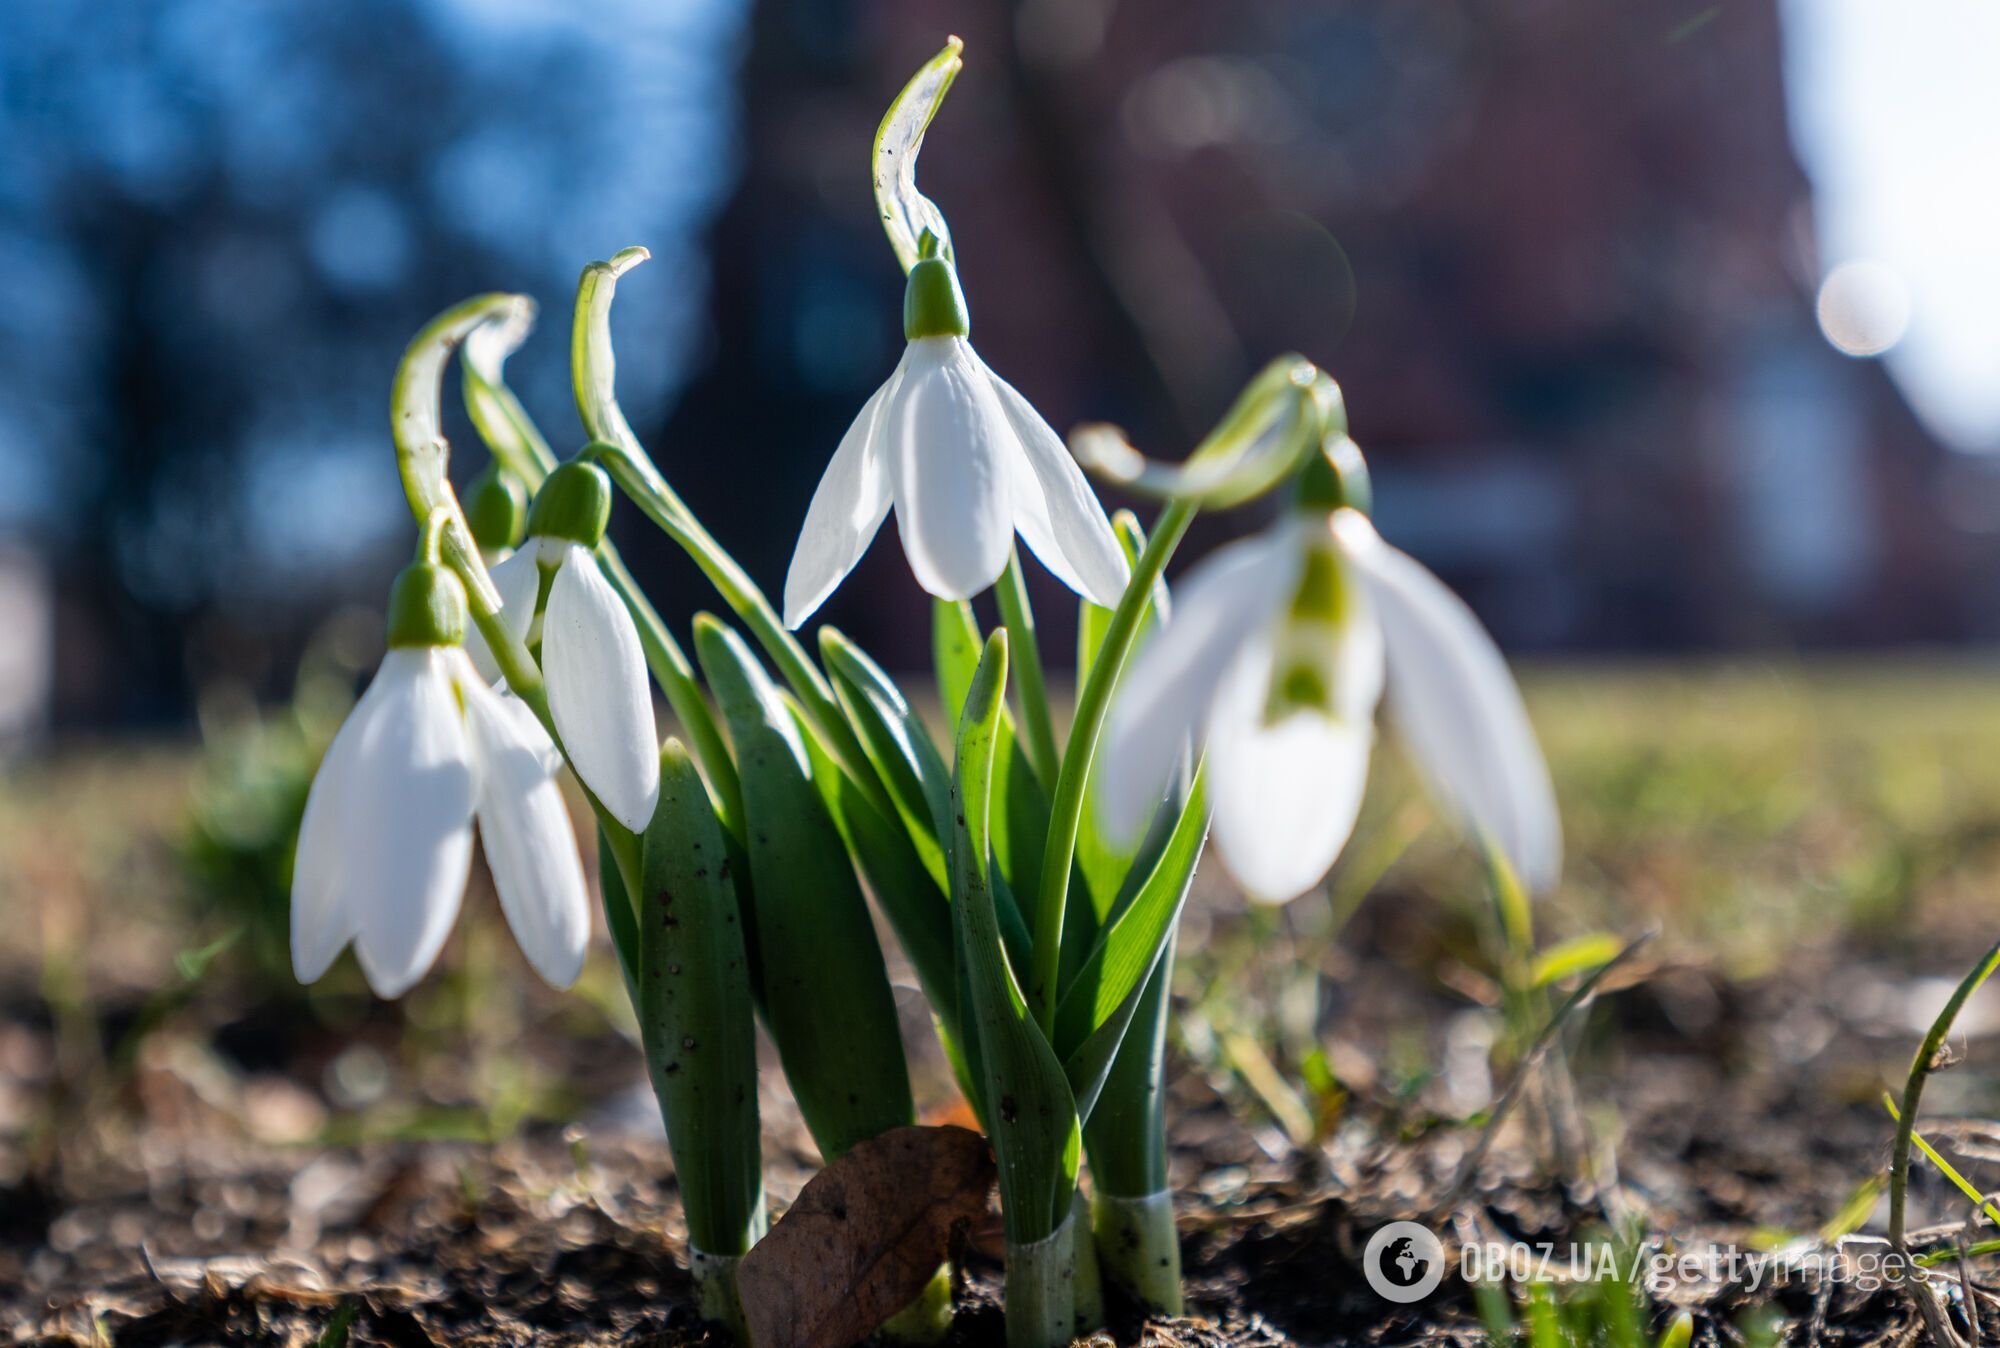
x=387, y=839
x=965, y=460
x=592, y=661
x=1277, y=655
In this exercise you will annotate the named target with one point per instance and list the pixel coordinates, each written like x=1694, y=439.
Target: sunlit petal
x=1286, y=795
x=1226, y=602
x=1457, y=706
x=530, y=844
x=948, y=448
x=846, y=510
x=519, y=581
x=321, y=923
x=1055, y=509
x=406, y=829
x=598, y=693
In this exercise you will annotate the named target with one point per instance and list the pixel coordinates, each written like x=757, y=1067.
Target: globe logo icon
x=1403, y=1262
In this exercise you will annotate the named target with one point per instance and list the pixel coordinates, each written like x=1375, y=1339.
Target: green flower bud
x=496, y=508
x=933, y=305
x=1336, y=476
x=426, y=607
x=574, y=503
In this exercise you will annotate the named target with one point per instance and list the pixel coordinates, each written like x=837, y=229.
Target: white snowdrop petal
x=1164, y=698
x=525, y=828
x=847, y=508
x=1285, y=795
x=321, y=922
x=407, y=833
x=1055, y=509
x=519, y=581
x=1457, y=706
x=948, y=448
x=595, y=670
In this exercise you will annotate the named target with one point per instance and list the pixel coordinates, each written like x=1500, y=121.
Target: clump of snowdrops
x=1033, y=884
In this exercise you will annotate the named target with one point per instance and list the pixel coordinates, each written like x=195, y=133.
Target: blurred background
x=1671, y=329
x=1668, y=326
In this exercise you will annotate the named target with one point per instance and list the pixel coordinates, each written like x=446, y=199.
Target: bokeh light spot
x=1864, y=307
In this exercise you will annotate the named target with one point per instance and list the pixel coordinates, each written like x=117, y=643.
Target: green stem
x=1140, y=1247
x=512, y=437
x=1041, y=1289
x=1019, y=618
x=593, y=377
x=636, y=477
x=1066, y=812
x=422, y=456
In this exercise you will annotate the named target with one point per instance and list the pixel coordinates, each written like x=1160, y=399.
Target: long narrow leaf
x=1099, y=1004
x=695, y=1014
x=1032, y=1113
x=897, y=746
x=919, y=911
x=827, y=999
x=1020, y=827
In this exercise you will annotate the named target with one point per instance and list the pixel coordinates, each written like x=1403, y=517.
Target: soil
x=1725, y=1113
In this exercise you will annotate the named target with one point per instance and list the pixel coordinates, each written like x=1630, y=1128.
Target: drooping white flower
x=1276, y=656
x=966, y=461
x=592, y=660
x=387, y=838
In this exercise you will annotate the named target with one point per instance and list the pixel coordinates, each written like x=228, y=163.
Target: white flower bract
x=386, y=842
x=1286, y=778
x=966, y=462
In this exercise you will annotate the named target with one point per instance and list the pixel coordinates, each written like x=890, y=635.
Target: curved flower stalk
x=1277, y=656
x=386, y=842
x=592, y=659
x=965, y=461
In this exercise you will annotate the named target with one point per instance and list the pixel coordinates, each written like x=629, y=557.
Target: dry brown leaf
x=865, y=1236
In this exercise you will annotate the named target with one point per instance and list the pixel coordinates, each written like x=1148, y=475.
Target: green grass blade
x=1921, y=1067
x=1033, y=1118
x=695, y=1014
x=826, y=994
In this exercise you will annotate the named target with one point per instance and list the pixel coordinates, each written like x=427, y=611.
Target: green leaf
x=1098, y=1004
x=906, y=212
x=1125, y=1132
x=1033, y=1119
x=896, y=744
x=619, y=916
x=919, y=911
x=1574, y=956
x=827, y=999
x=954, y=653
x=1021, y=826
x=695, y=1013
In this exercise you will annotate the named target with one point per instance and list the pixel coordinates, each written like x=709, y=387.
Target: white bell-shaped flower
x=966, y=461
x=1276, y=656
x=386, y=842
x=592, y=659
